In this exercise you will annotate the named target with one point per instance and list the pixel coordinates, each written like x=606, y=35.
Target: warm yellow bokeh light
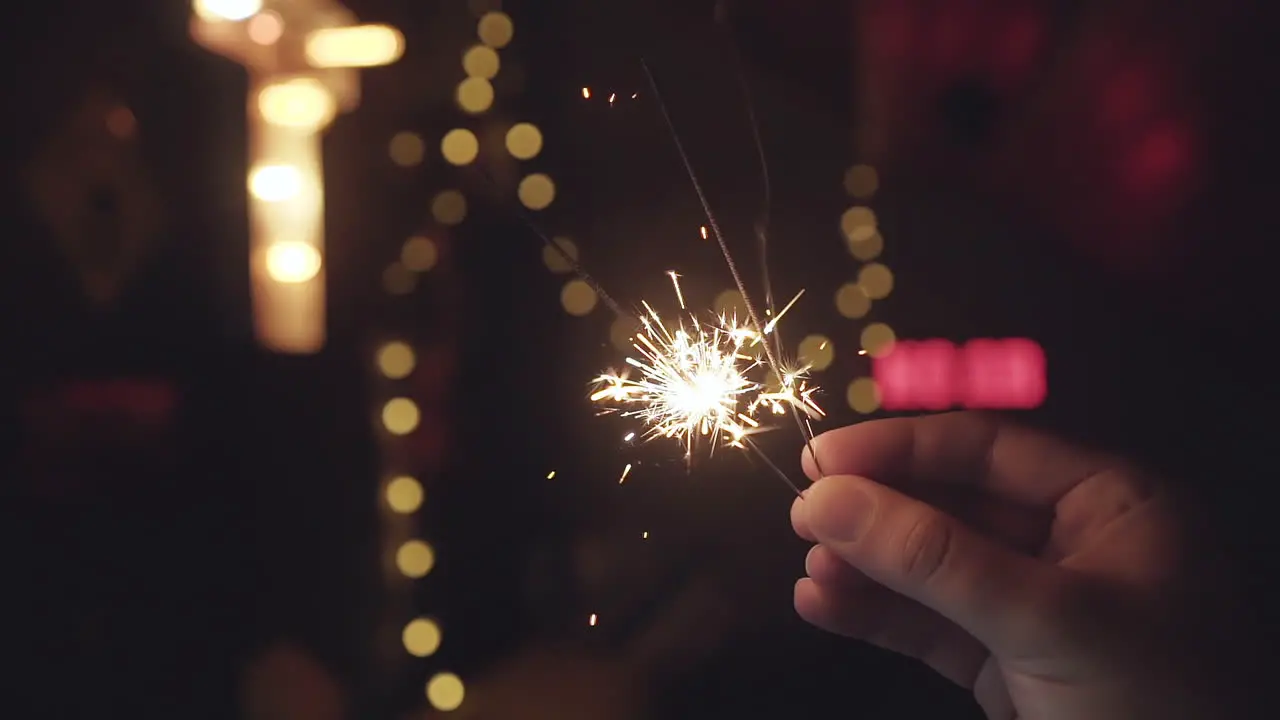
x=878, y=339
x=730, y=304
x=481, y=61
x=415, y=559
x=876, y=281
x=229, y=10
x=421, y=637
x=460, y=146
x=407, y=149
x=622, y=333
x=867, y=248
x=536, y=191
x=475, y=95
x=578, y=298
x=524, y=141
x=292, y=261
x=404, y=494
x=852, y=302
x=449, y=207
x=495, y=29
x=861, y=181
x=858, y=223
x=355, y=46
x=400, y=416
x=275, y=183
x=556, y=262
x=265, y=28
x=863, y=396
x=396, y=360
x=817, y=352
x=398, y=280
x=302, y=103
x=446, y=692
x=419, y=254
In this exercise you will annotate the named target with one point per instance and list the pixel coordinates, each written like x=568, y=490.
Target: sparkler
x=694, y=380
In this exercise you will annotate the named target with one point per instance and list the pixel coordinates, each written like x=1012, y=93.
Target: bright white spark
x=696, y=380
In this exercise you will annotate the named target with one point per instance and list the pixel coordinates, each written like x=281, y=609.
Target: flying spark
x=586, y=93
x=696, y=380
x=551, y=474
x=625, y=472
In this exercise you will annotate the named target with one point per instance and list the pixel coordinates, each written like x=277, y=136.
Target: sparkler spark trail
x=696, y=380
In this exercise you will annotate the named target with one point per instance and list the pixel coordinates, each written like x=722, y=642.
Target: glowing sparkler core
x=695, y=380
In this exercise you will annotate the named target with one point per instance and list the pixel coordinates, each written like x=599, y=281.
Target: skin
x=1052, y=581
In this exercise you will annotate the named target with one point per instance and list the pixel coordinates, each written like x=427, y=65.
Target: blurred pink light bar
x=1006, y=374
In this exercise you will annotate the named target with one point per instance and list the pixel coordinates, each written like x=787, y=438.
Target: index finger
x=961, y=448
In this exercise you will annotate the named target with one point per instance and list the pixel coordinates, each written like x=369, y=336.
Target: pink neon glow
x=983, y=374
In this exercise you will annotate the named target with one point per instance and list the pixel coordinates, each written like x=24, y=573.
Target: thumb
x=997, y=595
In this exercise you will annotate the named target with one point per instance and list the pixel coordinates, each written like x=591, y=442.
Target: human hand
x=1050, y=580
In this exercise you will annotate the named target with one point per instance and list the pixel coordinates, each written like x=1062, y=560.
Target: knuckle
x=926, y=546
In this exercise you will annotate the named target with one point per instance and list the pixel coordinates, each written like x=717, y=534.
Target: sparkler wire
x=805, y=431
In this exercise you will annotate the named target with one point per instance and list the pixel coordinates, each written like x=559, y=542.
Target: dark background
x=1096, y=176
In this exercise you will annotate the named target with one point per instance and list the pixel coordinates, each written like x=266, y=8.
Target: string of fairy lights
x=422, y=636
x=874, y=282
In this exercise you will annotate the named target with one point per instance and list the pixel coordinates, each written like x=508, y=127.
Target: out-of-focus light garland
x=474, y=95
x=861, y=231
x=301, y=57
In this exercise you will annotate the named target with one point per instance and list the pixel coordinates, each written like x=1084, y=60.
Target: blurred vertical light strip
x=286, y=225
x=301, y=74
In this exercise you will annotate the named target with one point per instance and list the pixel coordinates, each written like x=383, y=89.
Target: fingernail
x=808, y=559
x=841, y=510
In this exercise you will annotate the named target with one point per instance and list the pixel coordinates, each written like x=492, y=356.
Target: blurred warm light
x=449, y=207
x=867, y=248
x=861, y=181
x=481, y=61
x=578, y=298
x=475, y=95
x=459, y=146
x=852, y=302
x=622, y=332
x=419, y=254
x=536, y=191
x=292, y=261
x=445, y=691
x=265, y=28
x=551, y=475
x=404, y=494
x=556, y=262
x=878, y=339
x=863, y=396
x=524, y=141
x=876, y=281
x=407, y=149
x=817, y=352
x=703, y=231
x=302, y=103
x=593, y=620
x=398, y=279
x=496, y=29
x=586, y=93
x=731, y=304
x=400, y=416
x=275, y=183
x=421, y=637
x=358, y=46
x=858, y=223
x=396, y=360
x=121, y=122
x=230, y=10
x=415, y=559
